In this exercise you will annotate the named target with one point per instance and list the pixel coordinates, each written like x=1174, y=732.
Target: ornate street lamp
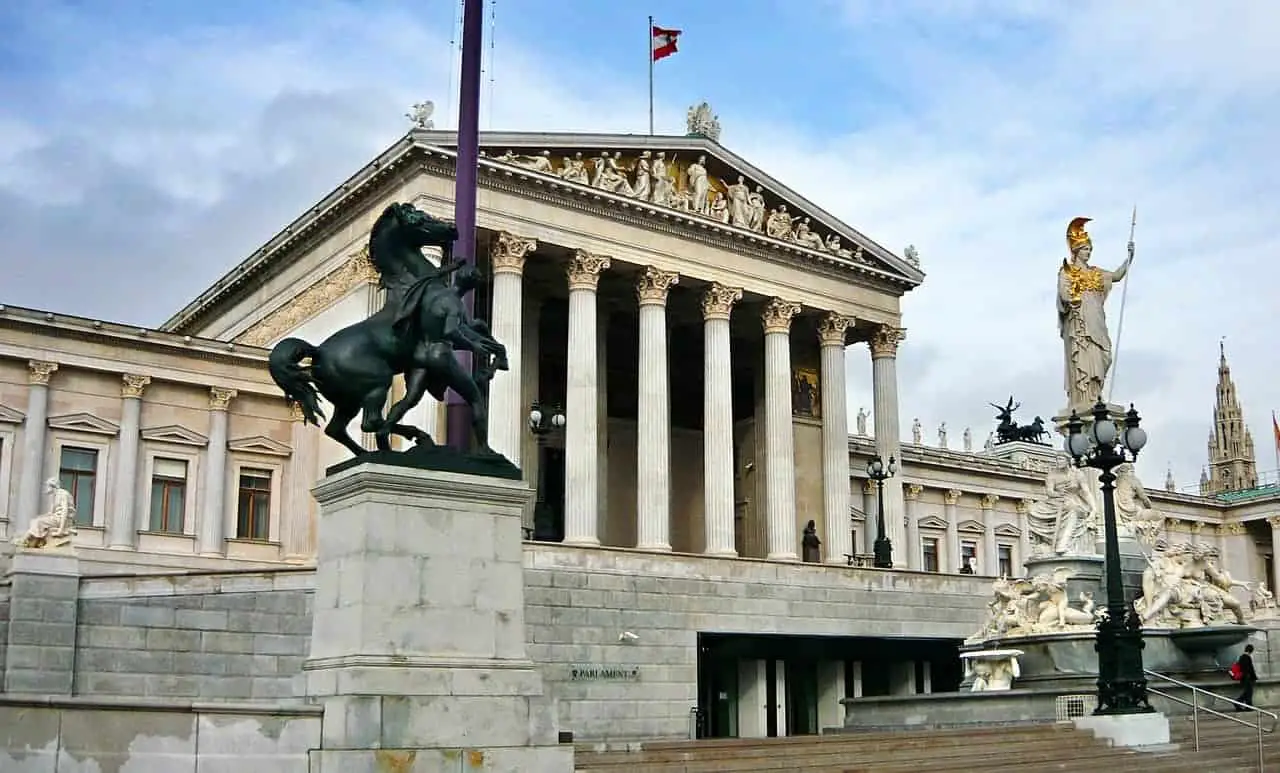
x=1122, y=686
x=880, y=472
x=542, y=423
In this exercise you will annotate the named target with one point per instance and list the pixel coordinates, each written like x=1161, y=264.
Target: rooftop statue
x=702, y=123
x=416, y=333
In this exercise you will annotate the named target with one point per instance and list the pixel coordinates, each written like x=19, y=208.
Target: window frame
x=254, y=462
x=64, y=439
x=154, y=450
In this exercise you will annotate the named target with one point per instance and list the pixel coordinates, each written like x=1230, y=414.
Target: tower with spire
x=1232, y=464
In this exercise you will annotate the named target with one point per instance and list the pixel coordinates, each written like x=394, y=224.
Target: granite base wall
x=78, y=735
x=243, y=636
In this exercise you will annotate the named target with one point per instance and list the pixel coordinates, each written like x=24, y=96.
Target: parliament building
x=691, y=317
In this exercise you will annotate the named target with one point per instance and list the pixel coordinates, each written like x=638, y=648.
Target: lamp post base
x=883, y=551
x=1122, y=685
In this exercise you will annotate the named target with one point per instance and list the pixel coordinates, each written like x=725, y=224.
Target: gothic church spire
x=1232, y=464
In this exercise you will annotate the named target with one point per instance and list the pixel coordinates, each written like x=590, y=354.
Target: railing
x=1197, y=707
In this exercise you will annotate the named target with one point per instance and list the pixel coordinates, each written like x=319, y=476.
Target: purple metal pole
x=464, y=194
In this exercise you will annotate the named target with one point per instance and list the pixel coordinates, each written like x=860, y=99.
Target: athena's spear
x=1124, y=295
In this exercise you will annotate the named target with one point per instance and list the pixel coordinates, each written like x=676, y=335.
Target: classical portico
x=697, y=348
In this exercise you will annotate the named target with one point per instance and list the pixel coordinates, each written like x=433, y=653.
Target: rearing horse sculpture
x=416, y=333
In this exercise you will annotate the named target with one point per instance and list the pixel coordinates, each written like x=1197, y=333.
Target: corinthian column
x=912, y=506
x=835, y=438
x=582, y=423
x=33, y=442
x=1024, y=534
x=506, y=415
x=653, y=447
x=779, y=438
x=122, y=526
x=717, y=420
x=869, y=526
x=949, y=500
x=212, y=534
x=991, y=558
x=297, y=523
x=884, y=384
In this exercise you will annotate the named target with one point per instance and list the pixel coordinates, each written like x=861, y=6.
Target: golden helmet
x=1076, y=236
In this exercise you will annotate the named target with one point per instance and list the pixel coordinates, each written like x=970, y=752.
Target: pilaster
x=123, y=525
x=911, y=504
x=211, y=534
x=991, y=555
x=35, y=429
x=950, y=498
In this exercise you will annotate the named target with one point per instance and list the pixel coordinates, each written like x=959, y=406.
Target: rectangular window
x=168, y=495
x=929, y=548
x=253, y=509
x=968, y=557
x=78, y=475
x=1005, y=553
x=853, y=541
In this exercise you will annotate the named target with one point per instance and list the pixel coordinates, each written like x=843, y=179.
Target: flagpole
x=649, y=48
x=1275, y=442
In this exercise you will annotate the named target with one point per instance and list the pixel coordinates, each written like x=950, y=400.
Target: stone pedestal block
x=418, y=643
x=44, y=594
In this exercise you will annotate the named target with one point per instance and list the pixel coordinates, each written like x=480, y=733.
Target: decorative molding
x=1008, y=530
x=777, y=315
x=989, y=501
x=259, y=444
x=832, y=328
x=133, y=386
x=508, y=251
x=951, y=496
x=10, y=416
x=718, y=301
x=886, y=339
x=584, y=269
x=653, y=285
x=931, y=522
x=356, y=271
x=971, y=527
x=1273, y=520
x=912, y=491
x=868, y=486
x=84, y=422
x=39, y=372
x=175, y=433
x=220, y=398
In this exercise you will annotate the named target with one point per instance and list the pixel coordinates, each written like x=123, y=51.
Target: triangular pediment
x=931, y=522
x=175, y=433
x=259, y=444
x=971, y=527
x=1008, y=530
x=771, y=212
x=10, y=416
x=84, y=422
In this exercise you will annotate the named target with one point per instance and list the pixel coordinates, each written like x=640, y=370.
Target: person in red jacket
x=1248, y=677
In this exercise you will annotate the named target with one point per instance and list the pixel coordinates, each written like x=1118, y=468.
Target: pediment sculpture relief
x=685, y=185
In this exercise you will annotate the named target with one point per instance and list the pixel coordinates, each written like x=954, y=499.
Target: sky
x=148, y=147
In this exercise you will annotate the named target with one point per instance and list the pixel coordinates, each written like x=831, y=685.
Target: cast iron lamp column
x=1122, y=685
x=541, y=424
x=879, y=472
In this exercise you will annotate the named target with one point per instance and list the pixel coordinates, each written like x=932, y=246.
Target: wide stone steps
x=1005, y=749
x=1223, y=742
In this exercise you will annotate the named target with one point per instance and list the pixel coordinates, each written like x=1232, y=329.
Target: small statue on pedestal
x=56, y=527
x=810, y=544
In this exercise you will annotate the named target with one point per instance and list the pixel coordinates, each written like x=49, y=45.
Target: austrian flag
x=664, y=42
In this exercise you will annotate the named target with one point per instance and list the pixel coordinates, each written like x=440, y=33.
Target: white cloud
x=1014, y=117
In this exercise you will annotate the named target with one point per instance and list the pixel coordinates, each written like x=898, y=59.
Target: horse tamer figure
x=416, y=333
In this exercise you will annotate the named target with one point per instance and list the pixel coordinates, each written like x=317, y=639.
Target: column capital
x=584, y=269
x=832, y=327
x=39, y=372
x=653, y=285
x=951, y=496
x=1024, y=506
x=989, y=501
x=913, y=491
x=133, y=386
x=718, y=300
x=777, y=315
x=507, y=253
x=1274, y=521
x=885, y=340
x=220, y=398
x=868, y=487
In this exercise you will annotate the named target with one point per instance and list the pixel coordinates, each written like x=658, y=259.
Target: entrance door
x=802, y=697
x=718, y=694
x=554, y=459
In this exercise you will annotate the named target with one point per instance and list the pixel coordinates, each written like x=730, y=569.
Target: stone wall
x=208, y=637
x=78, y=735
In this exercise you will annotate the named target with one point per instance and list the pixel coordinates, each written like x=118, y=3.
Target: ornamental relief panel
x=683, y=183
x=355, y=272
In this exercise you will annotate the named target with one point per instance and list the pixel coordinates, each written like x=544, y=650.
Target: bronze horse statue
x=416, y=333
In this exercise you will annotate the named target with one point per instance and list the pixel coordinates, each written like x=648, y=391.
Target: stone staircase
x=1225, y=745
x=1037, y=748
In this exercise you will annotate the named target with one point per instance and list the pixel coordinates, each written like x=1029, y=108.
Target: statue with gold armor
x=1082, y=317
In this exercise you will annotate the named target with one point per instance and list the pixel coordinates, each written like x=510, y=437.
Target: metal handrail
x=1196, y=708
